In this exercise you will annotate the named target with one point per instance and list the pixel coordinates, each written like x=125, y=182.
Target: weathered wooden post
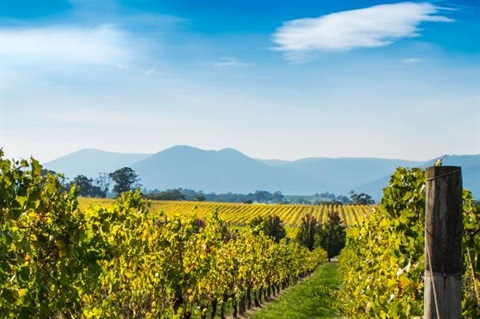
x=443, y=243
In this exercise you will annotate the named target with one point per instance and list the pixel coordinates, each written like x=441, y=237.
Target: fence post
x=443, y=243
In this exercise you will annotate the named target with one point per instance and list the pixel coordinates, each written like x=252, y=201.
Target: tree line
x=126, y=179
x=123, y=180
x=312, y=233
x=259, y=196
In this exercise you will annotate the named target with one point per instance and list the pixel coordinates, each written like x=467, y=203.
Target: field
x=240, y=214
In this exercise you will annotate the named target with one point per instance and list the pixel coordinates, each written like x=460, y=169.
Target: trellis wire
x=432, y=278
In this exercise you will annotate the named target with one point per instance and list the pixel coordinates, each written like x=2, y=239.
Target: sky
x=274, y=79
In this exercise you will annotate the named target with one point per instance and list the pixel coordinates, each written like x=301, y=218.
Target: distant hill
x=221, y=171
x=91, y=162
x=229, y=170
x=274, y=162
x=470, y=174
x=351, y=172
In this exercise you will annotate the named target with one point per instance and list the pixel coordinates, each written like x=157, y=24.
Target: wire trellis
x=432, y=278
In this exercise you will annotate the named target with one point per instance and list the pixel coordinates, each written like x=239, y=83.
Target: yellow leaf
x=22, y=292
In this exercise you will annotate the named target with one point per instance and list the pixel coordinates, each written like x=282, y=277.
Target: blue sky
x=281, y=79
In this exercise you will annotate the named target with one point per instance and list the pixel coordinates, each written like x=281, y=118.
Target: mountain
x=348, y=171
x=229, y=170
x=91, y=162
x=221, y=171
x=273, y=162
x=470, y=175
x=470, y=171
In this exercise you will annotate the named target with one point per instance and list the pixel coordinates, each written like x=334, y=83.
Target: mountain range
x=229, y=170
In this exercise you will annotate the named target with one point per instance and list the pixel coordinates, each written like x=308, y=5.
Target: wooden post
x=443, y=243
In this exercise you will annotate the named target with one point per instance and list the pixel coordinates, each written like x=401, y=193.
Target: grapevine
x=126, y=260
x=383, y=263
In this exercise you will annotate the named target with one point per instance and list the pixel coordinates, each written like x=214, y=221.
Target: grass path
x=306, y=300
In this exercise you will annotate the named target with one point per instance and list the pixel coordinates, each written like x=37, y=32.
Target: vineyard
x=241, y=214
x=383, y=264
x=64, y=257
x=125, y=260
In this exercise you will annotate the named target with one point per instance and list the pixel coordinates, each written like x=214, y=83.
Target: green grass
x=306, y=300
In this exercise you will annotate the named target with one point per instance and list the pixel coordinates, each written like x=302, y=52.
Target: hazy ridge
x=229, y=170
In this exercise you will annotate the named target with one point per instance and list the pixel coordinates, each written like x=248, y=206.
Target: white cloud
x=149, y=71
x=64, y=44
x=371, y=27
x=230, y=61
x=412, y=60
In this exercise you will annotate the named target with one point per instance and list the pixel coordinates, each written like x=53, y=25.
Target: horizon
x=229, y=170
x=286, y=80
x=244, y=153
x=262, y=159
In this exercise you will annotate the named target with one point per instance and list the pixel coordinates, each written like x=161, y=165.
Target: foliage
x=171, y=194
x=270, y=225
x=382, y=264
x=125, y=261
x=361, y=199
x=125, y=180
x=331, y=236
x=103, y=182
x=308, y=231
x=471, y=244
x=259, y=196
x=329, y=198
x=40, y=243
x=86, y=187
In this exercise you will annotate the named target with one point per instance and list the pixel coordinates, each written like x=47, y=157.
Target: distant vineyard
x=239, y=214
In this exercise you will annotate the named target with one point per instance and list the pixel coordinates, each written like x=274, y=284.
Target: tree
x=262, y=196
x=278, y=197
x=169, y=194
x=331, y=236
x=103, y=182
x=84, y=185
x=199, y=198
x=361, y=199
x=125, y=180
x=307, y=231
x=271, y=226
x=343, y=199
